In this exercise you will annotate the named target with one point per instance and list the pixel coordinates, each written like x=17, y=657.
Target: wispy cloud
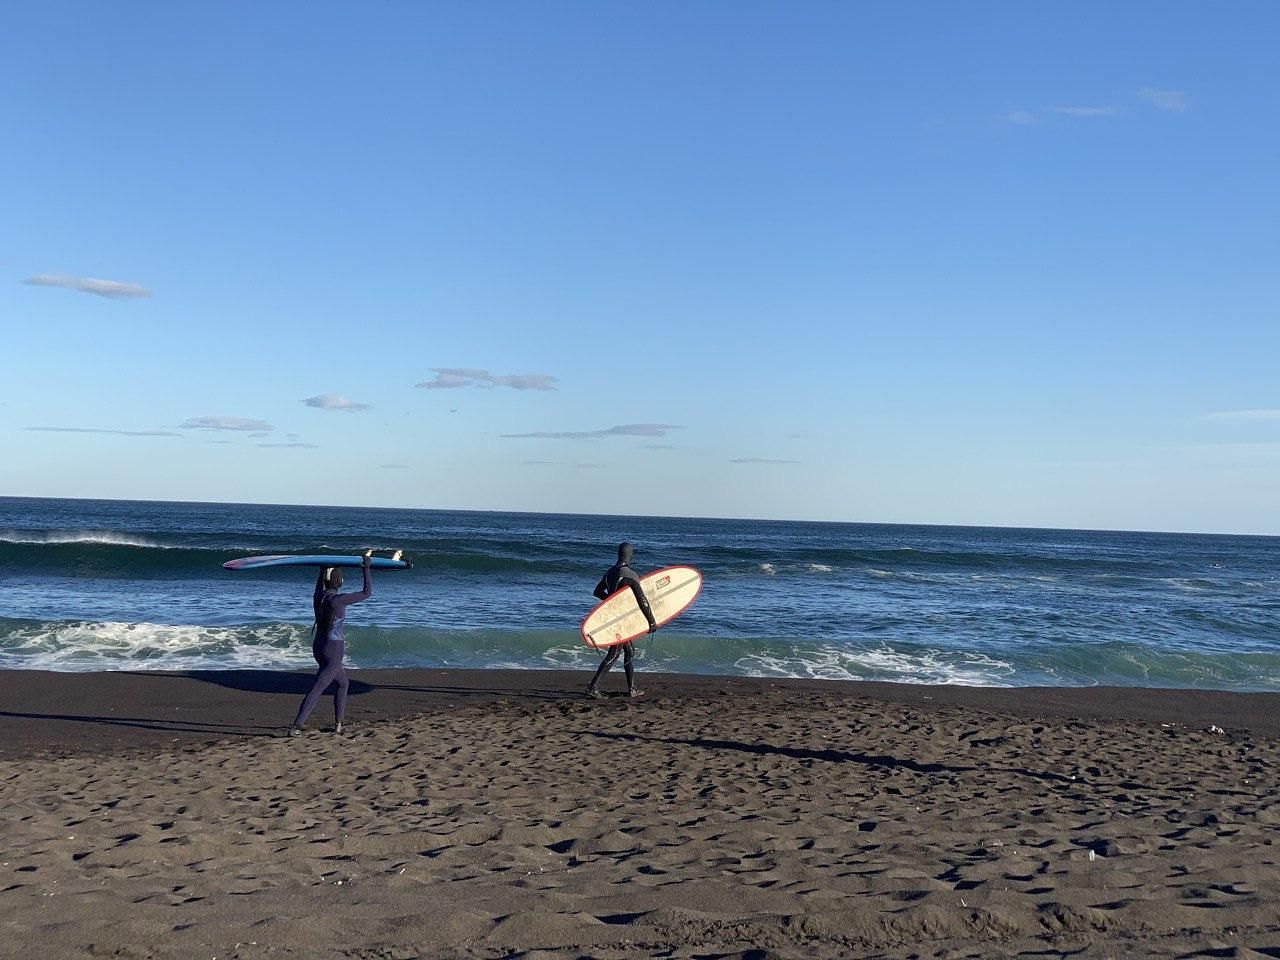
x=453, y=378
x=227, y=423
x=114, y=433
x=561, y=463
x=291, y=445
x=112, y=289
x=1023, y=118
x=393, y=466
x=1172, y=100
x=218, y=441
x=622, y=430
x=1087, y=113
x=797, y=436
x=1243, y=416
x=335, y=401
x=660, y=446
x=760, y=460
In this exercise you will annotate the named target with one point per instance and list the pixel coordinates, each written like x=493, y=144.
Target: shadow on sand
x=826, y=755
x=213, y=730
x=298, y=683
x=259, y=681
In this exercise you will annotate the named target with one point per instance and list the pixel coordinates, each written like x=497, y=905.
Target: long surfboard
x=619, y=619
x=314, y=560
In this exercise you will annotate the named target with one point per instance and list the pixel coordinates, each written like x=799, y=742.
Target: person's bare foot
x=337, y=728
x=635, y=692
x=594, y=694
x=294, y=732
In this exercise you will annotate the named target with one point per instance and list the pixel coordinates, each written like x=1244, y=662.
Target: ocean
x=118, y=585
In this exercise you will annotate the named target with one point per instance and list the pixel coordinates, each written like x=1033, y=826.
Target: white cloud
x=1086, y=113
x=760, y=460
x=660, y=446
x=334, y=401
x=293, y=444
x=227, y=423
x=1243, y=416
x=453, y=378
x=622, y=430
x=446, y=381
x=116, y=433
x=1024, y=118
x=112, y=289
x=1172, y=100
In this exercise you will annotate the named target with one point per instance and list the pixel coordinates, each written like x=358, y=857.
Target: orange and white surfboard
x=619, y=619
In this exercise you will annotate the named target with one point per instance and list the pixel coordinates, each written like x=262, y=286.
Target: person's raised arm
x=366, y=591
x=344, y=600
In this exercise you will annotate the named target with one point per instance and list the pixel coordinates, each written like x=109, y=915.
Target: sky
x=997, y=263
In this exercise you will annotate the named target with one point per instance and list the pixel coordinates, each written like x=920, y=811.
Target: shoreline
x=56, y=712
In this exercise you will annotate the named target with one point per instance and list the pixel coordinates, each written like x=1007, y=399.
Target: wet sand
x=496, y=814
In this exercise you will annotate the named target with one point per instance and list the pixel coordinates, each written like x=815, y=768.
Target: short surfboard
x=308, y=560
x=619, y=619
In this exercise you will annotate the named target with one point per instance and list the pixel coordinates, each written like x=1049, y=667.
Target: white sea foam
x=767, y=568
x=106, y=645
x=55, y=537
x=819, y=568
x=880, y=663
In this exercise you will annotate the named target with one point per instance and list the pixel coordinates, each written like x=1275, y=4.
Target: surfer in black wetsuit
x=615, y=578
x=328, y=645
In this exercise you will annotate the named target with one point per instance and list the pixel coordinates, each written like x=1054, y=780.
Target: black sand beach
x=497, y=814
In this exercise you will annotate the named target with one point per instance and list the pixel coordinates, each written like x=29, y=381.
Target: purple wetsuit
x=329, y=646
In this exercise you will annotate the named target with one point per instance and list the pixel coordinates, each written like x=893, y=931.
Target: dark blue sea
x=112, y=585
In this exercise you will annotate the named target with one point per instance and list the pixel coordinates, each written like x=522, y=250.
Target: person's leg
x=628, y=655
x=328, y=672
x=340, y=697
x=605, y=664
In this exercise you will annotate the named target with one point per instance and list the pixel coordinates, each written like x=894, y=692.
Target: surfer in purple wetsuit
x=615, y=578
x=329, y=645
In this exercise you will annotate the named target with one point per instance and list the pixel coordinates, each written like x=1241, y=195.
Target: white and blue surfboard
x=315, y=560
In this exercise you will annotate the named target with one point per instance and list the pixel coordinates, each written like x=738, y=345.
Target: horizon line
x=642, y=516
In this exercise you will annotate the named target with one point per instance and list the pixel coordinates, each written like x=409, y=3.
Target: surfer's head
x=333, y=580
x=625, y=552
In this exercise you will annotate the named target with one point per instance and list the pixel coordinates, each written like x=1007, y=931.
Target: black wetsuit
x=615, y=578
x=329, y=646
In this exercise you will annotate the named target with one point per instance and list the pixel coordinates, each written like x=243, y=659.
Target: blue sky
x=1003, y=263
